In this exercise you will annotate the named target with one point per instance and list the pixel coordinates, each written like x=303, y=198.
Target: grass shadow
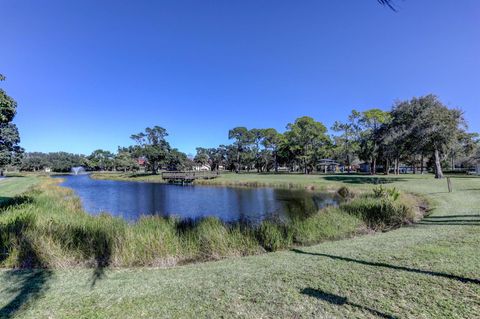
x=28, y=286
x=453, y=216
x=454, y=220
x=394, y=267
x=8, y=202
x=30, y=283
x=94, y=243
x=342, y=301
x=362, y=179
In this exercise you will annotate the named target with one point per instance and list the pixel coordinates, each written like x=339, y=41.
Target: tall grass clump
x=382, y=209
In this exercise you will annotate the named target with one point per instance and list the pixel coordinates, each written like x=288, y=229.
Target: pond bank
x=60, y=234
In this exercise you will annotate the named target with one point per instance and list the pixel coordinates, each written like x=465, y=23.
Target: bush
x=273, y=235
x=379, y=213
x=390, y=193
x=345, y=193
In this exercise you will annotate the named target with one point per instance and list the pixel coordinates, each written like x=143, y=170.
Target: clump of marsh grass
x=382, y=209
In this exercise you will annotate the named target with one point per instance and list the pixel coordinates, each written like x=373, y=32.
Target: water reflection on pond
x=131, y=200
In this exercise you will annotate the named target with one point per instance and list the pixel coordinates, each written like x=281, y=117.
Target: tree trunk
x=421, y=167
x=154, y=168
x=387, y=167
x=438, y=165
x=237, y=164
x=348, y=163
x=276, y=163
x=374, y=167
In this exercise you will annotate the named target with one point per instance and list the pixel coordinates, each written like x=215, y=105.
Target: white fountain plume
x=77, y=170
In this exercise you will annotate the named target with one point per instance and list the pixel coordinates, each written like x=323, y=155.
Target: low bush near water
x=382, y=209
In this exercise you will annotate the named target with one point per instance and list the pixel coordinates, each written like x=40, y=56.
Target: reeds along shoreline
x=47, y=227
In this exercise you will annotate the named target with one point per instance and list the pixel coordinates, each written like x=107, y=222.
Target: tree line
x=421, y=133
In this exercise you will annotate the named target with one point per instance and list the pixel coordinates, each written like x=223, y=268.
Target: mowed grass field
x=430, y=269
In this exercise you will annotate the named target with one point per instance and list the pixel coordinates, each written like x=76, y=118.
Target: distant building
x=365, y=167
x=48, y=170
x=201, y=167
x=327, y=165
x=478, y=168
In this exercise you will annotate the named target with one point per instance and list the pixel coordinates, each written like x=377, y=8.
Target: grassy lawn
x=428, y=269
x=12, y=186
x=120, y=176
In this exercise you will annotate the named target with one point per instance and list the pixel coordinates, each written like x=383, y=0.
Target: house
x=142, y=161
x=201, y=167
x=365, y=167
x=327, y=165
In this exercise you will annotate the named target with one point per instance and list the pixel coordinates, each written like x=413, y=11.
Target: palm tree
x=388, y=3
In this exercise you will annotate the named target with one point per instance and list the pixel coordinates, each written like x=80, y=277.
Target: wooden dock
x=186, y=177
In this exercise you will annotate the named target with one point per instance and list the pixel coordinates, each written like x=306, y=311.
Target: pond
x=131, y=200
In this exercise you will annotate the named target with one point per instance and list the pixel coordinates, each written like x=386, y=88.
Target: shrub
x=379, y=213
x=345, y=193
x=273, y=235
x=381, y=192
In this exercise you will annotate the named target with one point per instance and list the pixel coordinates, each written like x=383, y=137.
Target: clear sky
x=88, y=74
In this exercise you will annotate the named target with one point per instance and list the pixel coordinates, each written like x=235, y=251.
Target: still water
x=131, y=200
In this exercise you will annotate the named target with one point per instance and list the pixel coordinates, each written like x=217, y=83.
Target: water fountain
x=78, y=170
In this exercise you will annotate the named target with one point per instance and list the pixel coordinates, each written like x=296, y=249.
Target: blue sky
x=88, y=74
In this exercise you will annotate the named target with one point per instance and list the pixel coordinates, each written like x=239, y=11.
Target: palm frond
x=388, y=3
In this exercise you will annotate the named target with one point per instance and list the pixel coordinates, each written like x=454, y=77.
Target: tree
x=243, y=139
x=63, y=161
x=347, y=143
x=464, y=147
x=125, y=161
x=306, y=137
x=429, y=127
x=271, y=142
x=202, y=157
x=370, y=122
x=9, y=135
x=101, y=160
x=34, y=162
x=153, y=146
x=177, y=160
x=213, y=157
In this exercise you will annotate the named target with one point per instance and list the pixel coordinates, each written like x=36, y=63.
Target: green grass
x=128, y=176
x=428, y=269
x=13, y=186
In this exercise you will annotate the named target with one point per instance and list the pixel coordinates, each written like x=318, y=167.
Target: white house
x=202, y=168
